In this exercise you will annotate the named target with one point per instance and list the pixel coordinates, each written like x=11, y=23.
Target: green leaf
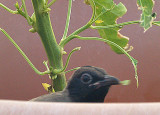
x=147, y=16
x=112, y=13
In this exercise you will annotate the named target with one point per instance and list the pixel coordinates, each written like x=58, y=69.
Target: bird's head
x=90, y=84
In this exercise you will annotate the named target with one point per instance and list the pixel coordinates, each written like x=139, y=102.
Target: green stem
x=91, y=21
x=104, y=40
x=50, y=4
x=157, y=23
x=9, y=10
x=72, y=36
x=23, y=54
x=72, y=69
x=46, y=2
x=45, y=63
x=134, y=62
x=18, y=11
x=68, y=19
x=54, y=52
x=115, y=25
x=26, y=13
x=69, y=56
x=67, y=62
x=78, y=31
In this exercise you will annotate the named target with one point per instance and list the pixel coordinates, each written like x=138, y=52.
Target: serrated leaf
x=109, y=12
x=146, y=17
x=112, y=13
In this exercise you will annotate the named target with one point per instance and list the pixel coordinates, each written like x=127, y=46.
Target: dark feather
x=88, y=84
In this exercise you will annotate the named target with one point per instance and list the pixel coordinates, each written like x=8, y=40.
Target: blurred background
x=19, y=82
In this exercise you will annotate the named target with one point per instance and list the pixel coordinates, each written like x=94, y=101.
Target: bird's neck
x=97, y=95
x=75, y=94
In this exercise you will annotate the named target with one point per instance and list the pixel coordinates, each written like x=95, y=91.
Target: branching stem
x=23, y=54
x=72, y=36
x=26, y=13
x=8, y=9
x=68, y=59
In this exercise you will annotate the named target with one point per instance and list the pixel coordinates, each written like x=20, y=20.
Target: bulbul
x=87, y=84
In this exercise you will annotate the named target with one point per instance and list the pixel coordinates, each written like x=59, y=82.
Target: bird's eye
x=86, y=78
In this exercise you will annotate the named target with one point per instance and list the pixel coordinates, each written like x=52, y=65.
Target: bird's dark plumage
x=88, y=84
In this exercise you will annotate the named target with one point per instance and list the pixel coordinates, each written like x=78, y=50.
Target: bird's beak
x=108, y=81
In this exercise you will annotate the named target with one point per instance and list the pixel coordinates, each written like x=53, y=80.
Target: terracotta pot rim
x=43, y=108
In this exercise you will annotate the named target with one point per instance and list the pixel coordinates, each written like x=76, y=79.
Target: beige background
x=19, y=82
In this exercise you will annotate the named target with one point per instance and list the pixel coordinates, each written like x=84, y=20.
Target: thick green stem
x=54, y=52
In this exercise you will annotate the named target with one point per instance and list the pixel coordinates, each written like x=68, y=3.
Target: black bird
x=88, y=84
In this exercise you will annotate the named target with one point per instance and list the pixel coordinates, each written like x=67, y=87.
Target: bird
x=88, y=84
